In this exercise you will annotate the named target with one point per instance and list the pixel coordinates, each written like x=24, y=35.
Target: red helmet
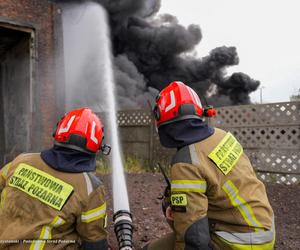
x=82, y=130
x=177, y=102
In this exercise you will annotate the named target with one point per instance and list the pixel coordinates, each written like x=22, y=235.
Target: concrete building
x=31, y=82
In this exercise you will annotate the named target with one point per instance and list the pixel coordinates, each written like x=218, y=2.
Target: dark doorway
x=15, y=92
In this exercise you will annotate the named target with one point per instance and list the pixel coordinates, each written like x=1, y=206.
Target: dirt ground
x=149, y=222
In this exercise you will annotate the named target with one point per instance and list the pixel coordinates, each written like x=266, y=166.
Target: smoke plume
x=151, y=50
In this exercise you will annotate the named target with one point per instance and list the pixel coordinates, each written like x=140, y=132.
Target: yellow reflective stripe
x=57, y=222
x=37, y=245
x=244, y=208
x=198, y=186
x=46, y=233
x=94, y=214
x=41, y=185
x=5, y=169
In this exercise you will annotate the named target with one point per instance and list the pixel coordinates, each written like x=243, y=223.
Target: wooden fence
x=269, y=133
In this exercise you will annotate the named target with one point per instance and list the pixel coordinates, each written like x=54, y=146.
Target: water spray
x=90, y=82
x=122, y=217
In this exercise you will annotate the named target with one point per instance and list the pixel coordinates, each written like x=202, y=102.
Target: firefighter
x=216, y=200
x=52, y=199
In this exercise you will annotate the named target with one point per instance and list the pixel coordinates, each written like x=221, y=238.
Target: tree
x=296, y=96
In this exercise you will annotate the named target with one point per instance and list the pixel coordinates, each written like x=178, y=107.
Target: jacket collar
x=182, y=133
x=69, y=160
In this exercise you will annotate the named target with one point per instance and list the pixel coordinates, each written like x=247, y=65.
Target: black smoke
x=151, y=50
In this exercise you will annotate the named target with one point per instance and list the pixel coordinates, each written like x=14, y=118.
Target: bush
x=132, y=164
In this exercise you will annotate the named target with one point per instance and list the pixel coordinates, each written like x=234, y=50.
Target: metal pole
x=260, y=89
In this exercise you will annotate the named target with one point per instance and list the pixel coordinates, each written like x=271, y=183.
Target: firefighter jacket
x=216, y=198
x=42, y=208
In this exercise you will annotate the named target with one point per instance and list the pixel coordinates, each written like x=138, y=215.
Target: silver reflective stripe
x=89, y=186
x=233, y=194
x=47, y=233
x=194, y=155
x=57, y=222
x=183, y=186
x=198, y=186
x=255, y=238
x=94, y=214
x=38, y=245
x=66, y=129
x=173, y=101
x=93, y=137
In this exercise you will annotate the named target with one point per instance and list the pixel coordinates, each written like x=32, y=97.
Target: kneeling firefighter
x=52, y=200
x=216, y=200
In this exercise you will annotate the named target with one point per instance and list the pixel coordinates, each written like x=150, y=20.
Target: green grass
x=131, y=165
x=102, y=167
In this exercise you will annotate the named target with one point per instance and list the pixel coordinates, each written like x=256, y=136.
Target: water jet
x=90, y=82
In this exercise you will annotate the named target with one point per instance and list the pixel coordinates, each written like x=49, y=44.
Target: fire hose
x=123, y=229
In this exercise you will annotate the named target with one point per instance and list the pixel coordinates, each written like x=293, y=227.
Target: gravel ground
x=150, y=224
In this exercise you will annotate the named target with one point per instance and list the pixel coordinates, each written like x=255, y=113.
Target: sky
x=266, y=34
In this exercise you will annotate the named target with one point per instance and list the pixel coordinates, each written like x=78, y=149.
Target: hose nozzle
x=123, y=229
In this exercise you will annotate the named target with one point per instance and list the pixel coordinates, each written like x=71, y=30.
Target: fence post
x=151, y=144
